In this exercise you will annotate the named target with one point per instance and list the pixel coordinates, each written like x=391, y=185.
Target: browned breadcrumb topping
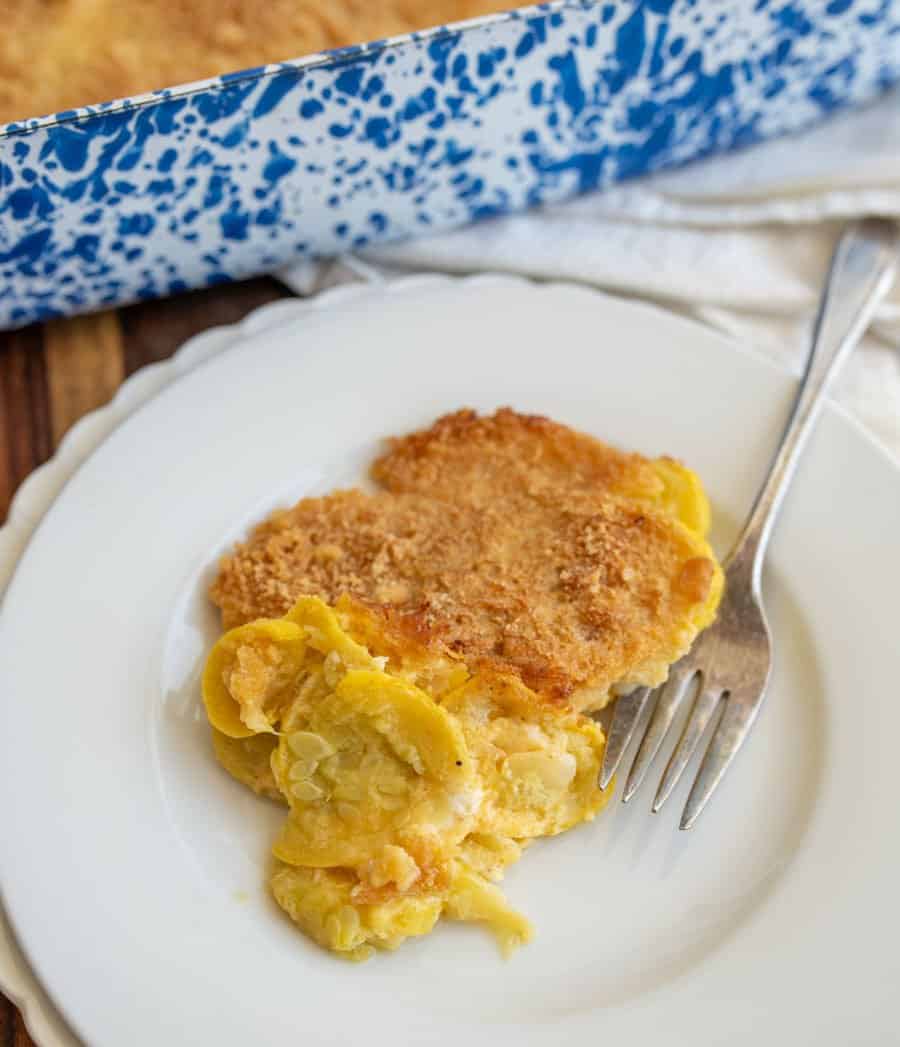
x=478, y=458
x=60, y=54
x=499, y=540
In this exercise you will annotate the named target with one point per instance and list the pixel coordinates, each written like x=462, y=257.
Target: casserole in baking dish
x=217, y=180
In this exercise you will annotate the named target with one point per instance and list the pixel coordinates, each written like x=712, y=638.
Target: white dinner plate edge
x=42, y=487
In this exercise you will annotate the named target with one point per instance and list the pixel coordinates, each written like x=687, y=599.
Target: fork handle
x=862, y=271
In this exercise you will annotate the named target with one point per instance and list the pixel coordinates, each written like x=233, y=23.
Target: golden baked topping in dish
x=406, y=671
x=61, y=54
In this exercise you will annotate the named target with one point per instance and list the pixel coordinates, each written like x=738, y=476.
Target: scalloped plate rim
x=29, y=505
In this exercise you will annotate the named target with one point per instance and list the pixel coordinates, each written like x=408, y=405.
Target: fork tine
x=730, y=735
x=670, y=696
x=704, y=707
x=626, y=717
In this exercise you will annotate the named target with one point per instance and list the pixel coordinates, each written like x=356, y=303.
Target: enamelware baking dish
x=218, y=180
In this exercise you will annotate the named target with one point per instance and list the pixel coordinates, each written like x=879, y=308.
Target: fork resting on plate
x=729, y=665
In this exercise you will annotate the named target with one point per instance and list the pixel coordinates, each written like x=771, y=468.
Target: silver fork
x=730, y=662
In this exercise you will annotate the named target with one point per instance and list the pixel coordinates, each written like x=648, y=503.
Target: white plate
x=133, y=869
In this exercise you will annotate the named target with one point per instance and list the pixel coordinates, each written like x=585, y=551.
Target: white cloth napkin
x=740, y=242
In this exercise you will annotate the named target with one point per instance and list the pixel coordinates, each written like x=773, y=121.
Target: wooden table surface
x=53, y=374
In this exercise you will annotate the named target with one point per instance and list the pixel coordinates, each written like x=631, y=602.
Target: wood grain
x=85, y=365
x=26, y=440
x=152, y=331
x=20, y=1037
x=51, y=376
x=8, y=1018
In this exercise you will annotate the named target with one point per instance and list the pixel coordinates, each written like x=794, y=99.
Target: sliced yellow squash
x=324, y=633
x=539, y=774
x=471, y=897
x=250, y=673
x=682, y=495
x=321, y=903
x=380, y=762
x=249, y=761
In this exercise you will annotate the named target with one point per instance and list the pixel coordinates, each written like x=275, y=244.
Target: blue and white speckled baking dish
x=194, y=185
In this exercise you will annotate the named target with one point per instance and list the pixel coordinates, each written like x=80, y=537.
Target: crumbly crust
x=505, y=541
x=480, y=457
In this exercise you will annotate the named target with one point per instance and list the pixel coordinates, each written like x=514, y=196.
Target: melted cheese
x=412, y=783
x=402, y=806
